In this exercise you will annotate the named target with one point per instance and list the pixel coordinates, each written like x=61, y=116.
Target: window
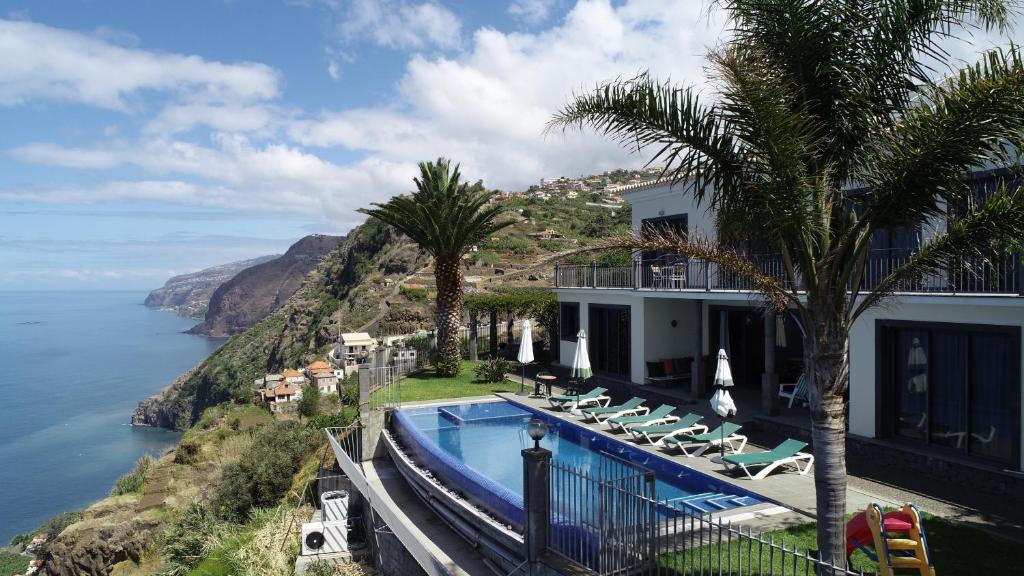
x=954, y=387
x=569, y=321
x=678, y=223
x=609, y=339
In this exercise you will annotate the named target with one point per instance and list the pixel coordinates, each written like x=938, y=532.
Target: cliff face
x=347, y=286
x=250, y=295
x=189, y=294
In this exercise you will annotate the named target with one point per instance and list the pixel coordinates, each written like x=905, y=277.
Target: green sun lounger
x=700, y=443
x=786, y=454
x=655, y=434
x=632, y=406
x=661, y=415
x=595, y=397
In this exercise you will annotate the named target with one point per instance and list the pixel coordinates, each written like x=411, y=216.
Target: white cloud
x=531, y=11
x=400, y=24
x=42, y=63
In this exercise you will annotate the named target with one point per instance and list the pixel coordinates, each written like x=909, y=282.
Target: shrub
x=195, y=535
x=416, y=294
x=133, y=481
x=236, y=423
x=263, y=473
x=329, y=420
x=187, y=451
x=492, y=371
x=310, y=403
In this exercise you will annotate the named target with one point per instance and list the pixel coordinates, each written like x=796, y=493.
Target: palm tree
x=828, y=125
x=446, y=218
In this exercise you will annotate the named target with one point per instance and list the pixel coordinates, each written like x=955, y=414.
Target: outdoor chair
x=656, y=434
x=632, y=406
x=595, y=397
x=726, y=435
x=660, y=415
x=795, y=391
x=786, y=454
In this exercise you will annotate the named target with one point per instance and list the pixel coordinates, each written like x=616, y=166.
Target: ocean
x=74, y=365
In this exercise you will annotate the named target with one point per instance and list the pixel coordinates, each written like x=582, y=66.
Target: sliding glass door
x=609, y=339
x=955, y=387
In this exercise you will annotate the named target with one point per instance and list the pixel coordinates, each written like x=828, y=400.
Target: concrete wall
x=666, y=200
x=967, y=310
x=636, y=323
x=662, y=339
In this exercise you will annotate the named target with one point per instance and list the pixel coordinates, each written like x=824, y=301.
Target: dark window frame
x=624, y=361
x=885, y=405
x=569, y=336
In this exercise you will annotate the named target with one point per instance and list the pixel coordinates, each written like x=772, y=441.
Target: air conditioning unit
x=335, y=506
x=324, y=538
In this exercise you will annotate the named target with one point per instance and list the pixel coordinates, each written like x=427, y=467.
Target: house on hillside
x=292, y=376
x=279, y=395
x=356, y=347
x=324, y=380
x=935, y=376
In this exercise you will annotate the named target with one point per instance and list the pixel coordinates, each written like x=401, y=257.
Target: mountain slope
x=253, y=293
x=189, y=294
x=376, y=280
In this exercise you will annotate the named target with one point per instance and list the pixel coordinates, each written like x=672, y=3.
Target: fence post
x=493, y=334
x=364, y=389
x=472, y=336
x=593, y=267
x=536, y=504
x=556, y=274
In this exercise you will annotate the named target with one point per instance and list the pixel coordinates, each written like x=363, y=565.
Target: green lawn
x=426, y=385
x=956, y=550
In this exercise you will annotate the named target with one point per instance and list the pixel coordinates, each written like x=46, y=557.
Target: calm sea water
x=74, y=365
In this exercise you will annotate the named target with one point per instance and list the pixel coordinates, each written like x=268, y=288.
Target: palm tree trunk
x=827, y=370
x=448, y=275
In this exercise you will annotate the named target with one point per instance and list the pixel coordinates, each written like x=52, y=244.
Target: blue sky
x=146, y=139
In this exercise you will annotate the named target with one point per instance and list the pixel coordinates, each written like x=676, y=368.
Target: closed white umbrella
x=722, y=402
x=525, y=352
x=581, y=359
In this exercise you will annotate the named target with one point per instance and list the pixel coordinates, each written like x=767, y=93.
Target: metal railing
x=350, y=440
x=999, y=275
x=385, y=390
x=616, y=525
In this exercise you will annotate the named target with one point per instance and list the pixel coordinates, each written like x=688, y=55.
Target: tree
x=309, y=405
x=829, y=125
x=446, y=218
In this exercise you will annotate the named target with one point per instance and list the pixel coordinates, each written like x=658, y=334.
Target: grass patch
x=11, y=563
x=427, y=385
x=132, y=482
x=956, y=550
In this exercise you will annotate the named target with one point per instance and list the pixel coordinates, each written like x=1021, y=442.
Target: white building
x=356, y=347
x=936, y=372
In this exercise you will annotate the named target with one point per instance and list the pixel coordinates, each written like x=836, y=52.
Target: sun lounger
x=701, y=443
x=631, y=407
x=786, y=454
x=661, y=415
x=655, y=434
x=569, y=402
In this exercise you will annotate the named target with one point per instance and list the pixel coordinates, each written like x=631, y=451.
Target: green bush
x=330, y=420
x=492, y=371
x=132, y=482
x=416, y=294
x=187, y=451
x=309, y=405
x=191, y=538
x=488, y=258
x=263, y=473
x=236, y=423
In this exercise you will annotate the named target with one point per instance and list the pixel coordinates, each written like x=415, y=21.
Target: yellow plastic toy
x=900, y=541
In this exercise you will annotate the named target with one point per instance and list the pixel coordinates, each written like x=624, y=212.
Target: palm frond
x=986, y=234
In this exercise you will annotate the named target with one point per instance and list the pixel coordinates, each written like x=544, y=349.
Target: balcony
x=999, y=277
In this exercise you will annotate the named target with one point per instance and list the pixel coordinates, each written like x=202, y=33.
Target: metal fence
x=385, y=387
x=612, y=522
x=997, y=275
x=350, y=439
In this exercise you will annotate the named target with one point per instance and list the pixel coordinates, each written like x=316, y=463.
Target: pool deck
x=785, y=487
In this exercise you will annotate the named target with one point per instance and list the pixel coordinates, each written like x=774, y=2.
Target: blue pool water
x=477, y=446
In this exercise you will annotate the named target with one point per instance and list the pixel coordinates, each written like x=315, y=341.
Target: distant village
x=608, y=186
x=354, y=349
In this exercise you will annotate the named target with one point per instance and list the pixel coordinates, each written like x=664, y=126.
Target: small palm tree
x=829, y=126
x=446, y=218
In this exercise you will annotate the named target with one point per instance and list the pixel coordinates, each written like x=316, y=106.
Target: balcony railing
x=999, y=276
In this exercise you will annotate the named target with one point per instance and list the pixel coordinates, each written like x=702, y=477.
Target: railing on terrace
x=350, y=439
x=615, y=525
x=385, y=390
x=1001, y=275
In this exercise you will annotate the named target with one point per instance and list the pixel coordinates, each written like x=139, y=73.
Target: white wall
x=661, y=338
x=636, y=324
x=995, y=311
x=666, y=200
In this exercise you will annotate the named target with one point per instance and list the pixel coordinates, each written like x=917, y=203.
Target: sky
x=146, y=139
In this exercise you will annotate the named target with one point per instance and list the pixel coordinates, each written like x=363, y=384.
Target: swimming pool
x=474, y=448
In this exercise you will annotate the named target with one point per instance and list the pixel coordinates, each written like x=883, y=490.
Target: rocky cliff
x=250, y=295
x=189, y=294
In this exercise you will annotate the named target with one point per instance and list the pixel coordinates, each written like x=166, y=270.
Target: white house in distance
x=935, y=373
x=356, y=347
x=321, y=374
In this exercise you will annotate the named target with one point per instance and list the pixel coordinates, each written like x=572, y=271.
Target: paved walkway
x=784, y=487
